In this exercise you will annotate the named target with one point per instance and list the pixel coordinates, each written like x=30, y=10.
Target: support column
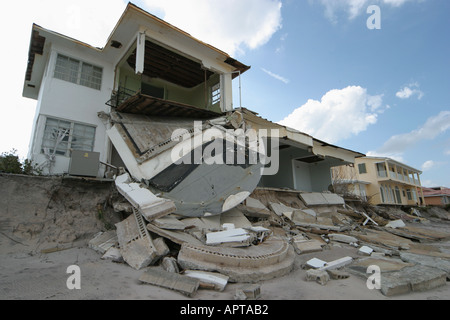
x=140, y=52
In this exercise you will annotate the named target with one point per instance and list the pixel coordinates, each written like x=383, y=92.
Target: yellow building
x=380, y=180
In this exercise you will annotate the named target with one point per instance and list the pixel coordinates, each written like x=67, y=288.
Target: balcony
x=128, y=101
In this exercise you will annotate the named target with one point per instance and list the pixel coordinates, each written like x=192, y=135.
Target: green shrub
x=10, y=163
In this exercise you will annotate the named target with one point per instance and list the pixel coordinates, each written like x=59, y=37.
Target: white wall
x=69, y=101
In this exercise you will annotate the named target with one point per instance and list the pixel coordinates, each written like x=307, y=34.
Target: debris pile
x=261, y=237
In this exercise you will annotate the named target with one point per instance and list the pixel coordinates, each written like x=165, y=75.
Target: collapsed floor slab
x=273, y=258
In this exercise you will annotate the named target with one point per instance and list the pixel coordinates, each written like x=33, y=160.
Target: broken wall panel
x=136, y=249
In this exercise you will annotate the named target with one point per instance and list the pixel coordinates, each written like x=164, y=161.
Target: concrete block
x=307, y=246
x=336, y=264
x=161, y=247
x=315, y=263
x=333, y=199
x=320, y=276
x=158, y=277
x=113, y=254
x=365, y=251
x=256, y=208
x=396, y=224
x=216, y=280
x=136, y=249
x=248, y=292
x=337, y=274
x=235, y=217
x=412, y=279
x=102, y=241
x=281, y=209
x=342, y=238
x=170, y=264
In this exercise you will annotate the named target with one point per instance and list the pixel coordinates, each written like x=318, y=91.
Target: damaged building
x=153, y=113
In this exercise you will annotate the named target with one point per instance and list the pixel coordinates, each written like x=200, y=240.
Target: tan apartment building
x=380, y=180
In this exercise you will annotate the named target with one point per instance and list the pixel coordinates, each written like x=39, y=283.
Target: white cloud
x=339, y=115
x=427, y=165
x=410, y=90
x=354, y=8
x=231, y=25
x=433, y=127
x=276, y=76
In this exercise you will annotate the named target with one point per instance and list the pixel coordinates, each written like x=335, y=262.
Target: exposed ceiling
x=170, y=66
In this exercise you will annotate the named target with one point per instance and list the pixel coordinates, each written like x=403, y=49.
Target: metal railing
x=119, y=96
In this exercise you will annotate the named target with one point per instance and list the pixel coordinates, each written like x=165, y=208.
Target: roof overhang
x=133, y=21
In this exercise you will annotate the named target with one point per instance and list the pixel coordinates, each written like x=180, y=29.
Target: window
x=78, y=72
x=408, y=194
x=381, y=169
x=397, y=195
x=382, y=194
x=215, y=93
x=60, y=136
x=362, y=168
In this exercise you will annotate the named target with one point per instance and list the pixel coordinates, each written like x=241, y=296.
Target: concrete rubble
x=260, y=238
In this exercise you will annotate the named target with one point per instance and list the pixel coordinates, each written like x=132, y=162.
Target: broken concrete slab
x=385, y=264
x=315, y=263
x=235, y=217
x=248, y=292
x=178, y=237
x=342, y=238
x=395, y=224
x=307, y=246
x=365, y=251
x=336, y=264
x=161, y=247
x=216, y=280
x=412, y=279
x=174, y=281
x=320, y=276
x=149, y=205
x=281, y=209
x=441, y=264
x=270, y=259
x=113, y=254
x=136, y=245
x=338, y=274
x=316, y=198
x=103, y=241
x=383, y=239
x=170, y=264
x=255, y=208
x=169, y=223
x=303, y=216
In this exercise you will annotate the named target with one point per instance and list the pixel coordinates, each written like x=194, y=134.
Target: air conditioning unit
x=84, y=163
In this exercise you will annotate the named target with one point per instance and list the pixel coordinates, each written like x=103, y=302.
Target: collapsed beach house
x=154, y=111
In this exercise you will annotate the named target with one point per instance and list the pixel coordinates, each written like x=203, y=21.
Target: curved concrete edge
x=242, y=273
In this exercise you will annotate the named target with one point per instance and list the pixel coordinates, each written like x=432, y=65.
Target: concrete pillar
x=140, y=52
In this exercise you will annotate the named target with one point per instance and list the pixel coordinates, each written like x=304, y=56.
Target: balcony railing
x=119, y=96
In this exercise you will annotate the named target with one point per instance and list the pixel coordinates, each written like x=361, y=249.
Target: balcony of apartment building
x=399, y=184
x=390, y=171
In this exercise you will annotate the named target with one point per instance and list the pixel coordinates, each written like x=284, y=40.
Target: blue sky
x=316, y=66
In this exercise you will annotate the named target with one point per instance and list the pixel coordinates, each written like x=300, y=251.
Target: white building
x=147, y=68
x=72, y=82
